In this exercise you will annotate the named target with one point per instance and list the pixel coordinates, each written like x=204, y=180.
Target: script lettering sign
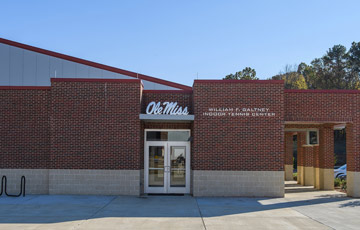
x=167, y=108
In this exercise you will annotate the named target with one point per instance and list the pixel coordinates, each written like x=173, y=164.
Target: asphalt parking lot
x=302, y=208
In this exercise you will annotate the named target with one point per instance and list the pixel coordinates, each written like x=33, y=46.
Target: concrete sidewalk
x=309, y=209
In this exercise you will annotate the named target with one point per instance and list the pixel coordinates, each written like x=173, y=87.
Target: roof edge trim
x=169, y=91
x=348, y=91
x=25, y=87
x=241, y=81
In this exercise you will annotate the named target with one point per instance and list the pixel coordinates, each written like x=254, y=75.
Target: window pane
x=313, y=137
x=178, y=170
x=156, y=166
x=156, y=136
x=167, y=135
x=156, y=157
x=156, y=178
x=177, y=178
x=179, y=135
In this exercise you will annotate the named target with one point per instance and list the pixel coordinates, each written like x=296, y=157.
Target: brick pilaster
x=325, y=175
x=326, y=153
x=301, y=140
x=288, y=145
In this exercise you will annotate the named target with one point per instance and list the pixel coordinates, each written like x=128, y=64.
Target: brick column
x=326, y=157
x=316, y=164
x=353, y=159
x=301, y=140
x=308, y=164
x=288, y=159
x=353, y=150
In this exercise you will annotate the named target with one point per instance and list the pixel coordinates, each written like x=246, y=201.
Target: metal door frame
x=167, y=145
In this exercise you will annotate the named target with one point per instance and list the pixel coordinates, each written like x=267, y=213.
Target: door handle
x=167, y=169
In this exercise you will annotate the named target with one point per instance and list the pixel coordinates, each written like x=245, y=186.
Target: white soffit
x=163, y=117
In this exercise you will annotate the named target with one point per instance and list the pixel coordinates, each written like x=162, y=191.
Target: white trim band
x=163, y=117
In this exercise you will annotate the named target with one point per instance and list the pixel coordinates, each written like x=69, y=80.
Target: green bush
x=295, y=176
x=337, y=182
x=343, y=184
x=340, y=183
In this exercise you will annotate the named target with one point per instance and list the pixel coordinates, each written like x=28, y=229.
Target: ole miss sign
x=167, y=108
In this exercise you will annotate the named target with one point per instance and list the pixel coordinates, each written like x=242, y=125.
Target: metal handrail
x=4, y=187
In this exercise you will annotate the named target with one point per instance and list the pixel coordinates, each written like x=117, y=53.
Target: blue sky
x=180, y=40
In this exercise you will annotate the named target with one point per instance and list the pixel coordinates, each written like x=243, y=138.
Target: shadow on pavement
x=350, y=204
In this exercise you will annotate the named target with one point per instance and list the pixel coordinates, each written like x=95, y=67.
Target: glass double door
x=167, y=166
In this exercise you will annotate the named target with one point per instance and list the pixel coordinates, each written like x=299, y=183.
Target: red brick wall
x=321, y=106
x=326, y=147
x=356, y=136
x=238, y=143
x=182, y=98
x=328, y=106
x=308, y=156
x=351, y=148
x=316, y=160
x=353, y=138
x=95, y=124
x=24, y=128
x=301, y=140
x=289, y=150
x=321, y=155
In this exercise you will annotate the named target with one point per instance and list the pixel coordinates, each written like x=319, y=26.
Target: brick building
x=72, y=126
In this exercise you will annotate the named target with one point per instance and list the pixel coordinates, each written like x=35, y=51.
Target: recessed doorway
x=167, y=161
